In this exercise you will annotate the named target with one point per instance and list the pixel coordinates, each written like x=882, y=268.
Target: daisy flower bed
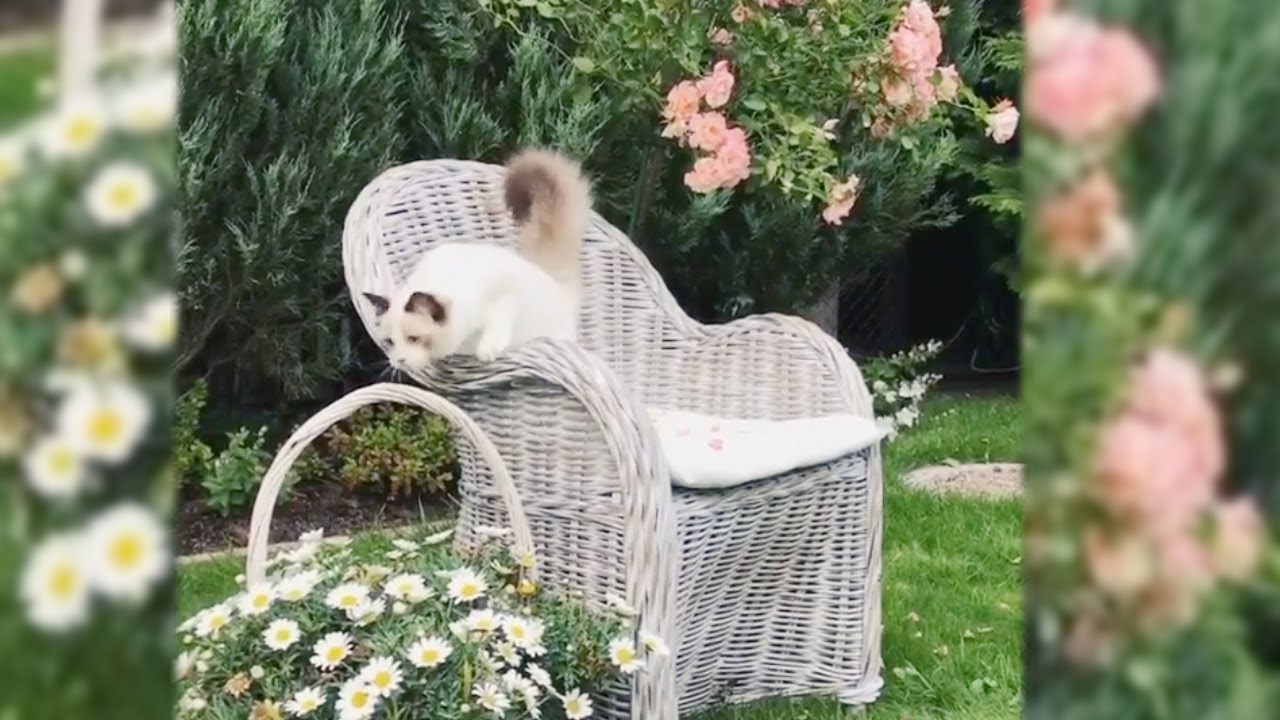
x=422, y=633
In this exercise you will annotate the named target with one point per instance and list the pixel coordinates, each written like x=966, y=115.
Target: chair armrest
x=769, y=366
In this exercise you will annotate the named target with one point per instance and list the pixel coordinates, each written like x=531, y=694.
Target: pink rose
x=1119, y=566
x=896, y=92
x=1170, y=387
x=1238, y=536
x=703, y=178
x=1185, y=561
x=910, y=52
x=919, y=17
x=682, y=102
x=926, y=93
x=707, y=131
x=734, y=158
x=1146, y=475
x=948, y=83
x=741, y=13
x=1088, y=84
x=717, y=87
x=881, y=128
x=721, y=37
x=1002, y=122
x=840, y=200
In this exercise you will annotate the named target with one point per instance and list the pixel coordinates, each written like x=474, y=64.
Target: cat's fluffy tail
x=550, y=200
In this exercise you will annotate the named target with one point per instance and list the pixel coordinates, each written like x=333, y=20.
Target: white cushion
x=705, y=452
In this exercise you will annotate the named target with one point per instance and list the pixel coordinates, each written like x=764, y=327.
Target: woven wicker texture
x=771, y=588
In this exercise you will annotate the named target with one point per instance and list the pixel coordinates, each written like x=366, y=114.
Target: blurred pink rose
x=1083, y=225
x=703, y=177
x=1185, y=561
x=1083, y=81
x=840, y=200
x=721, y=37
x=682, y=104
x=911, y=53
x=707, y=131
x=1119, y=566
x=1147, y=476
x=948, y=83
x=926, y=93
x=896, y=92
x=1170, y=387
x=1090, y=642
x=741, y=13
x=1167, y=603
x=1238, y=537
x=919, y=17
x=1033, y=10
x=881, y=128
x=1002, y=121
x=717, y=87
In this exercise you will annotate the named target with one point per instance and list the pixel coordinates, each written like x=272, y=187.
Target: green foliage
x=191, y=456
x=233, y=476
x=389, y=451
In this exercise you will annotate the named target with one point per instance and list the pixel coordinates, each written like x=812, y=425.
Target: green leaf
x=584, y=64
x=754, y=104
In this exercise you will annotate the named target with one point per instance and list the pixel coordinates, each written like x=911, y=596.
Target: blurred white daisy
x=654, y=644
x=73, y=264
x=331, y=650
x=211, y=620
x=183, y=664
x=538, y=675
x=127, y=551
x=491, y=698
x=576, y=705
x=191, y=701
x=13, y=160
x=410, y=587
x=399, y=608
x=347, y=596
x=53, y=469
x=367, y=611
x=622, y=652
x=153, y=326
x=356, y=700
x=76, y=128
x=149, y=106
x=305, y=701
x=104, y=422
x=467, y=586
x=257, y=599
x=517, y=684
x=484, y=621
x=523, y=632
x=508, y=653
x=438, y=538
x=383, y=675
x=281, y=634
x=403, y=545
x=429, y=652
x=120, y=194
x=299, y=586
x=55, y=583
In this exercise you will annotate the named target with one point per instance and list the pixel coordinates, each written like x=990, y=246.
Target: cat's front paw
x=489, y=350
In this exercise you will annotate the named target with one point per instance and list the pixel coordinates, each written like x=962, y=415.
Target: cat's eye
x=415, y=339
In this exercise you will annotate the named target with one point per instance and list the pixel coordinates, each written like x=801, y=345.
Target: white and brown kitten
x=483, y=299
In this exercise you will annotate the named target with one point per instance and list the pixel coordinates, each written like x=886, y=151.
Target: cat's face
x=412, y=329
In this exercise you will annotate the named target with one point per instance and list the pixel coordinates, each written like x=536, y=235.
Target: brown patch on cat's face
x=426, y=304
x=379, y=302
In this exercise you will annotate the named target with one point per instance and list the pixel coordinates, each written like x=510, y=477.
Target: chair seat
x=705, y=452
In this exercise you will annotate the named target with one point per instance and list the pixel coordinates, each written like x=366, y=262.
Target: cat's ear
x=379, y=302
x=426, y=304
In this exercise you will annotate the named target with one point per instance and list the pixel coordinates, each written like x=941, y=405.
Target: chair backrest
x=626, y=310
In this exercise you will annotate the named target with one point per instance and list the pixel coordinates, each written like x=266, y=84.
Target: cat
x=483, y=299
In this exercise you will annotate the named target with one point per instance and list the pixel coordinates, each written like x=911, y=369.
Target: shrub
x=234, y=474
x=191, y=456
x=386, y=450
x=898, y=385
x=423, y=633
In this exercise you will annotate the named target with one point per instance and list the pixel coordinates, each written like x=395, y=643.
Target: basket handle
x=264, y=505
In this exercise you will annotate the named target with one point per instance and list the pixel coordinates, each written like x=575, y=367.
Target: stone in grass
x=991, y=480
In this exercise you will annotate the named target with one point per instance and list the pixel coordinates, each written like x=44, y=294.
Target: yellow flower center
x=147, y=116
x=382, y=678
x=625, y=655
x=430, y=655
x=406, y=588
x=347, y=601
x=573, y=705
x=335, y=653
x=8, y=170
x=517, y=632
x=261, y=600
x=105, y=427
x=293, y=594
x=359, y=699
x=469, y=590
x=308, y=703
x=82, y=130
x=126, y=551
x=62, y=461
x=123, y=196
x=165, y=327
x=217, y=621
x=63, y=581
x=283, y=635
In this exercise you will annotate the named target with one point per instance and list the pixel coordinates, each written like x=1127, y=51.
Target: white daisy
x=302, y=554
x=53, y=469
x=104, y=422
x=576, y=705
x=403, y=545
x=120, y=194
x=55, y=584
x=622, y=651
x=383, y=675
x=76, y=129
x=73, y=264
x=906, y=417
x=299, y=586
x=467, y=586
x=518, y=684
x=281, y=634
x=347, y=596
x=331, y=650
x=538, y=675
x=410, y=587
x=305, y=701
x=654, y=644
x=523, y=632
x=367, y=612
x=257, y=599
x=508, y=654
x=148, y=107
x=491, y=698
x=438, y=538
x=127, y=550
x=183, y=664
x=154, y=325
x=484, y=621
x=210, y=621
x=429, y=652
x=356, y=700
x=191, y=701
x=13, y=160
x=458, y=628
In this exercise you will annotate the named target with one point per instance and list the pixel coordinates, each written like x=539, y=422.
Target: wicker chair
x=768, y=589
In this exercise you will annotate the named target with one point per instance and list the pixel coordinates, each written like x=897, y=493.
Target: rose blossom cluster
x=915, y=83
x=1169, y=535
x=1083, y=80
x=693, y=115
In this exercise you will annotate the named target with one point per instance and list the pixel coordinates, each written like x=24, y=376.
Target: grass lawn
x=20, y=71
x=953, y=583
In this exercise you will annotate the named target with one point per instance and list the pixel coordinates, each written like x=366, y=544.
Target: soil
x=993, y=480
x=202, y=529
